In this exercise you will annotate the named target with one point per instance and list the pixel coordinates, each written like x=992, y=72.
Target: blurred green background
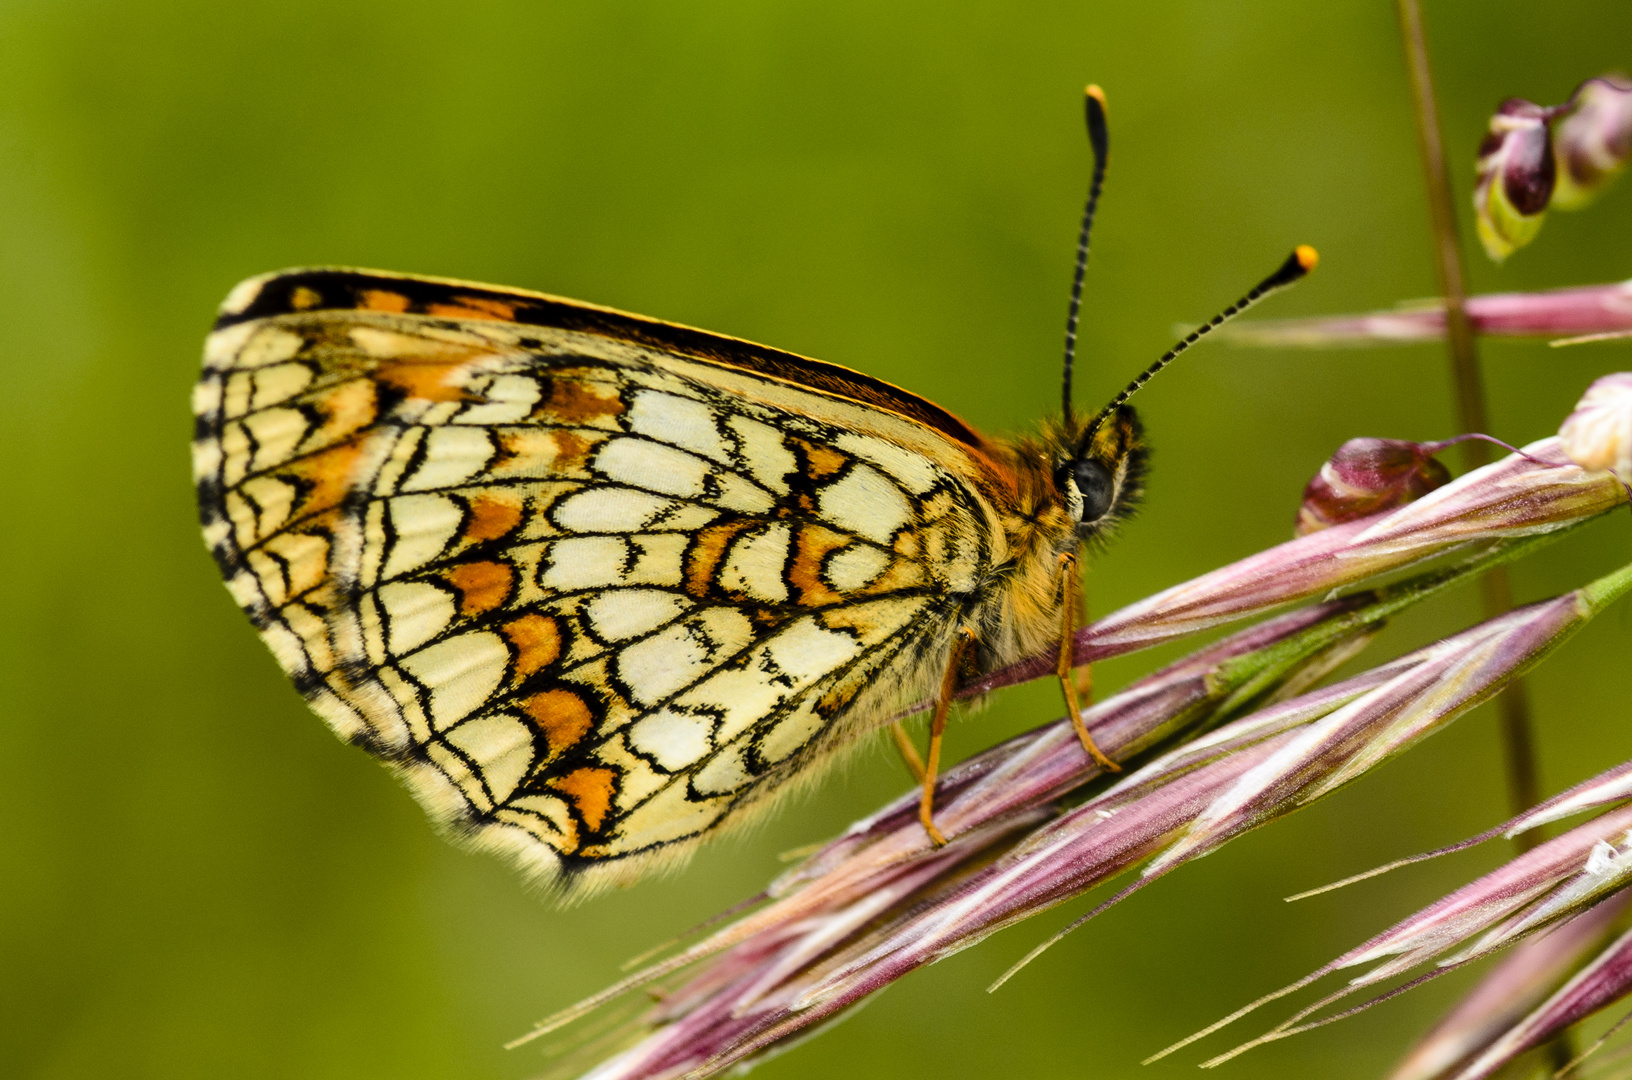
x=196, y=879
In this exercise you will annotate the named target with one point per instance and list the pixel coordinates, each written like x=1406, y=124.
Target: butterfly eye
x=1094, y=484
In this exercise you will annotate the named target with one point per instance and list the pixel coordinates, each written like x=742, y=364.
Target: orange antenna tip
x=1096, y=93
x=1308, y=257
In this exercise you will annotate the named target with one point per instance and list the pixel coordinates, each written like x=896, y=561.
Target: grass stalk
x=1513, y=705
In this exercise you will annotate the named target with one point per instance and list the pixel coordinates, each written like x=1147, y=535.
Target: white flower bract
x=1598, y=434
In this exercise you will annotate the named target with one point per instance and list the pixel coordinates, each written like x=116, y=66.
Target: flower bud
x=1516, y=177
x=1368, y=476
x=1594, y=141
x=1598, y=434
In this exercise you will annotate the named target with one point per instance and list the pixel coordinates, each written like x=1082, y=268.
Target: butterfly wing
x=593, y=584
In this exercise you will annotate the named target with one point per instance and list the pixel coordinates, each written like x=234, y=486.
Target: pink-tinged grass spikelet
x=1596, y=310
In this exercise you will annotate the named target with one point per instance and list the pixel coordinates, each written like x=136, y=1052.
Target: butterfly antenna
x=1099, y=138
x=1296, y=267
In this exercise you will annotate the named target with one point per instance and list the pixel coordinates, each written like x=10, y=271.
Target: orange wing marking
x=382, y=300
x=537, y=641
x=590, y=791
x=473, y=307
x=327, y=475
x=431, y=381
x=578, y=403
x=482, y=586
x=563, y=718
x=821, y=462
x=706, y=552
x=491, y=518
x=814, y=545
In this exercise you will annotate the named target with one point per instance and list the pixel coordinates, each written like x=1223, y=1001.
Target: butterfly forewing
x=593, y=587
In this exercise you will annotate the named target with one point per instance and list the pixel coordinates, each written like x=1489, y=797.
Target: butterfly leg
x=909, y=752
x=1068, y=629
x=937, y=728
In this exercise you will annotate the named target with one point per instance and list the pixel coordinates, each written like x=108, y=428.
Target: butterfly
x=595, y=585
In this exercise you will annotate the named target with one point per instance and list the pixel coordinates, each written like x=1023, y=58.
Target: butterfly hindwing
x=591, y=589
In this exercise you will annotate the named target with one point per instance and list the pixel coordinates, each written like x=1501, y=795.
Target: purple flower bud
x=1368, y=476
x=1594, y=141
x=1516, y=176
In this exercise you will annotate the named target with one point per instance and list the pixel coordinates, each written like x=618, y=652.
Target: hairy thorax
x=1019, y=607
x=1019, y=612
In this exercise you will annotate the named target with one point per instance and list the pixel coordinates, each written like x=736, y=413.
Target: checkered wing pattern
x=593, y=585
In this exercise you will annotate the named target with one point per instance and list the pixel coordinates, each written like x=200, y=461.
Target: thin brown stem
x=1561, y=1052
x=1513, y=704
x=1464, y=354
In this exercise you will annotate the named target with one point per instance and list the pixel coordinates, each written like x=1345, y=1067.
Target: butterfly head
x=1099, y=474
